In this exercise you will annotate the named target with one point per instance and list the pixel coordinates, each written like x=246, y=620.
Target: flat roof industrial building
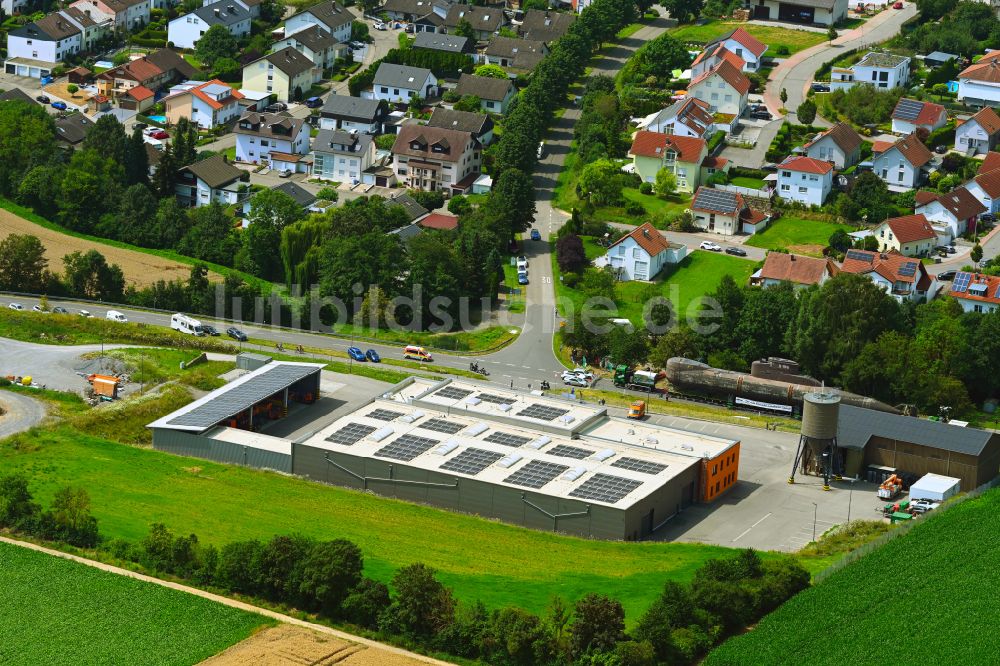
x=526, y=459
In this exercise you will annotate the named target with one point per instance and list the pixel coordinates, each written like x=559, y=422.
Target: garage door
x=796, y=13
x=641, y=270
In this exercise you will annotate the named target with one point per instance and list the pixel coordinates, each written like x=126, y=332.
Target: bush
x=782, y=50
x=646, y=188
x=635, y=209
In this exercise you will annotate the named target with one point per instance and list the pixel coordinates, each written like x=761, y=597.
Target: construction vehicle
x=890, y=488
x=640, y=380
x=637, y=410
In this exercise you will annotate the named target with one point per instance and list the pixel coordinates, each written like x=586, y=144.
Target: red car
x=898, y=5
x=159, y=134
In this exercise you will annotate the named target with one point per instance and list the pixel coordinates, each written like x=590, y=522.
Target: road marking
x=510, y=365
x=747, y=530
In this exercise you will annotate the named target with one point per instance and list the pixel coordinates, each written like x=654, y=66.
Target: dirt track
x=140, y=268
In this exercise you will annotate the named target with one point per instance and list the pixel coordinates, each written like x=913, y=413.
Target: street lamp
x=815, y=510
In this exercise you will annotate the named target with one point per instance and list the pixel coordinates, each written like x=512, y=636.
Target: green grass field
x=60, y=612
x=929, y=594
x=744, y=181
x=131, y=488
x=773, y=36
x=800, y=236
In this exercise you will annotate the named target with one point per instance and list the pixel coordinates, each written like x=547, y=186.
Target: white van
x=114, y=315
x=185, y=324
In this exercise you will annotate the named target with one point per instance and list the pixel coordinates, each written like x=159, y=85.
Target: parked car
x=580, y=372
x=159, y=134
x=941, y=150
x=946, y=276
x=276, y=107
x=44, y=99
x=820, y=87
x=284, y=174
x=236, y=334
x=210, y=330
x=710, y=246
x=575, y=380
x=761, y=114
x=314, y=102
x=356, y=354
x=736, y=251
x=59, y=105
x=535, y=235
x=522, y=278
x=140, y=126
x=923, y=505
x=39, y=308
x=373, y=356
x=85, y=314
x=15, y=306
x=378, y=25
x=897, y=5
x=59, y=310
x=522, y=263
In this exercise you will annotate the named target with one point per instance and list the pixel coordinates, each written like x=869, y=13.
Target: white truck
x=114, y=315
x=185, y=324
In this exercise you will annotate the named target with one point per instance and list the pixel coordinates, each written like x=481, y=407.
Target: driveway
x=756, y=157
x=18, y=413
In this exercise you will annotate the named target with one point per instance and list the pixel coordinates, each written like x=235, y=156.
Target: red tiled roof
x=655, y=144
x=139, y=69
x=881, y=146
x=990, y=295
x=794, y=268
x=728, y=73
x=439, y=221
x=806, y=165
x=990, y=163
x=748, y=41
x=988, y=119
x=648, y=238
x=990, y=181
x=285, y=157
x=923, y=197
x=911, y=148
x=888, y=265
x=929, y=113
x=986, y=70
x=911, y=228
x=198, y=92
x=715, y=162
x=140, y=93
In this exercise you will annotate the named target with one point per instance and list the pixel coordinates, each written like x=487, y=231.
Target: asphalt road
x=20, y=413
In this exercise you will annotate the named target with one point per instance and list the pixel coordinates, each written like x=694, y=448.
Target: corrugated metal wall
x=197, y=446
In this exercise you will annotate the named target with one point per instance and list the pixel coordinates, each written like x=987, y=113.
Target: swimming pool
x=158, y=119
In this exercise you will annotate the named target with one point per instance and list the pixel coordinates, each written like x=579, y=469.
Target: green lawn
x=60, y=612
x=500, y=564
x=797, y=235
x=773, y=36
x=744, y=181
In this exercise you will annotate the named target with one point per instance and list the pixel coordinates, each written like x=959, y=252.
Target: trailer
x=639, y=380
x=185, y=324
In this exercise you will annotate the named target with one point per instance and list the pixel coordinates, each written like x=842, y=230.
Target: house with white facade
x=495, y=95
x=711, y=57
x=951, y=214
x=840, y=146
x=185, y=30
x=641, y=254
x=436, y=159
x=398, y=84
x=725, y=212
x=976, y=292
x=909, y=235
x=208, y=104
x=353, y=113
x=743, y=45
x=783, y=268
x=724, y=88
x=978, y=134
x=815, y=12
x=411, y=10
x=882, y=70
x=252, y=6
x=262, y=137
x=342, y=156
x=479, y=125
x=688, y=117
x=680, y=155
x=315, y=43
x=485, y=21
x=519, y=55
x=94, y=26
x=979, y=83
x=126, y=15
x=330, y=17
x=36, y=48
x=985, y=187
x=903, y=278
x=286, y=74
x=913, y=114
x=805, y=180
x=212, y=180
x=900, y=164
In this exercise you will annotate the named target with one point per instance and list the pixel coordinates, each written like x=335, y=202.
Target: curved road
x=20, y=413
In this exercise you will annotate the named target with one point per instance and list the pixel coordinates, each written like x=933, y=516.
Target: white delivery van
x=185, y=324
x=114, y=315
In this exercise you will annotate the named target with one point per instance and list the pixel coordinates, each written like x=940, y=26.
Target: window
x=384, y=89
x=786, y=174
x=715, y=97
x=785, y=187
x=621, y=250
x=636, y=253
x=729, y=98
x=803, y=190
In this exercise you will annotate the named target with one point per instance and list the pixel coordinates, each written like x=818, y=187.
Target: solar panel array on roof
x=605, y=488
x=909, y=269
x=384, y=415
x=507, y=439
x=543, y=412
x=440, y=425
x=453, y=392
x=859, y=255
x=908, y=109
x=244, y=396
x=711, y=199
x=536, y=474
x=350, y=434
x=495, y=399
x=961, y=282
x=977, y=289
x=406, y=447
x=472, y=461
x=636, y=465
x=564, y=451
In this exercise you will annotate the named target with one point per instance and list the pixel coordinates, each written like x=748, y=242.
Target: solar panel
x=496, y=399
x=453, y=393
x=543, y=412
x=536, y=474
x=711, y=199
x=637, y=465
x=350, y=434
x=507, y=439
x=860, y=255
x=961, y=282
x=978, y=289
x=909, y=269
x=605, y=488
x=406, y=447
x=384, y=415
x=440, y=425
x=472, y=461
x=908, y=109
x=564, y=451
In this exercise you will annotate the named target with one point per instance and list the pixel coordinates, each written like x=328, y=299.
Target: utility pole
x=815, y=510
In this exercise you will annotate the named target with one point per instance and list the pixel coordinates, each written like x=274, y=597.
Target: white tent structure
x=934, y=487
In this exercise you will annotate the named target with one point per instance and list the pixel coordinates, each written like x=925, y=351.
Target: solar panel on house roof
x=536, y=474
x=243, y=396
x=472, y=461
x=384, y=414
x=908, y=109
x=637, y=465
x=453, y=393
x=496, y=399
x=961, y=282
x=909, y=269
x=350, y=434
x=605, y=488
x=440, y=425
x=507, y=439
x=406, y=447
x=859, y=255
x=715, y=199
x=543, y=412
x=977, y=289
x=564, y=451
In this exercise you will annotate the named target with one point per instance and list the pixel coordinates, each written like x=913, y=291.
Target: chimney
x=791, y=257
x=217, y=11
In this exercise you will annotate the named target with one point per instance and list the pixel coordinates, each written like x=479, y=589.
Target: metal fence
x=764, y=193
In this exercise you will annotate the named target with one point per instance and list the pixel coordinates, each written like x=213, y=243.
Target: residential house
x=137, y=98
x=414, y=211
x=744, y=45
x=937, y=59
x=353, y=113
x=882, y=70
x=208, y=104
x=212, y=180
x=725, y=212
x=286, y=74
x=805, y=180
x=398, y=84
x=681, y=155
x=494, y=95
x=154, y=72
x=252, y=6
x=544, y=25
x=305, y=199
x=94, y=26
x=976, y=292
x=433, y=41
x=10, y=7
x=436, y=159
x=17, y=95
x=985, y=187
x=36, y=48
x=903, y=278
x=521, y=55
x=979, y=83
x=479, y=125
x=912, y=114
x=991, y=162
x=439, y=221
x=724, y=88
x=979, y=133
x=951, y=214
x=153, y=157
x=73, y=129
x=432, y=22
x=910, y=235
x=126, y=15
x=185, y=30
x=900, y=164
x=485, y=21
x=840, y=145
x=688, y=117
x=264, y=138
x=713, y=55
x=641, y=254
x=411, y=10
x=315, y=43
x=818, y=12
x=329, y=16
x=342, y=156
x=794, y=269
x=711, y=165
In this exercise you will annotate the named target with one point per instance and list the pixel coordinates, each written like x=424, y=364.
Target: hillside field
x=60, y=612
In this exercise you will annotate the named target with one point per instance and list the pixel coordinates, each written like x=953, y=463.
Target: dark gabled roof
x=465, y=121
x=289, y=61
x=545, y=25
x=453, y=143
x=56, y=26
x=523, y=53
x=482, y=19
x=401, y=76
x=855, y=426
x=326, y=139
x=330, y=14
x=411, y=230
x=216, y=172
x=841, y=134
x=301, y=195
x=437, y=42
x=222, y=12
x=153, y=156
x=265, y=124
x=409, y=204
x=16, y=95
x=484, y=87
x=73, y=128
x=168, y=59
x=354, y=108
x=313, y=38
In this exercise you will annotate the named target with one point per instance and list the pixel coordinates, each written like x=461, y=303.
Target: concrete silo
x=817, y=452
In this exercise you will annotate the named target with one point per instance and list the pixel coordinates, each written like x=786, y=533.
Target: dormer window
x=416, y=145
